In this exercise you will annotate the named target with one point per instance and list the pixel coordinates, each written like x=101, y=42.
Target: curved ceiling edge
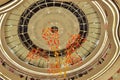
x=115, y=41
x=10, y=5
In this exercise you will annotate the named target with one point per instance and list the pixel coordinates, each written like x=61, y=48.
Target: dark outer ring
x=25, y=17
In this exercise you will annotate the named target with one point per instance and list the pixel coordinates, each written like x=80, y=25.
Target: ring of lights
x=78, y=68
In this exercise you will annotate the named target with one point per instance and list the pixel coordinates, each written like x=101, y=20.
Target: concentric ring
x=39, y=5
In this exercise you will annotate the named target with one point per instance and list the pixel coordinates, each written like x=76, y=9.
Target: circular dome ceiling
x=54, y=39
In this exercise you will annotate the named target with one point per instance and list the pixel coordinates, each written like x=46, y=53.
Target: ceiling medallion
x=56, y=39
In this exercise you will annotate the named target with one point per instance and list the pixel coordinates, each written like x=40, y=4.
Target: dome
x=59, y=40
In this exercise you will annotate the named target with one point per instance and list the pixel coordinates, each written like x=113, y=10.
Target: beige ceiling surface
x=3, y=1
x=105, y=76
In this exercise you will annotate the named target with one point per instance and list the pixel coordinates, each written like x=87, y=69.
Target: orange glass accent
x=34, y=54
x=53, y=42
x=72, y=39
